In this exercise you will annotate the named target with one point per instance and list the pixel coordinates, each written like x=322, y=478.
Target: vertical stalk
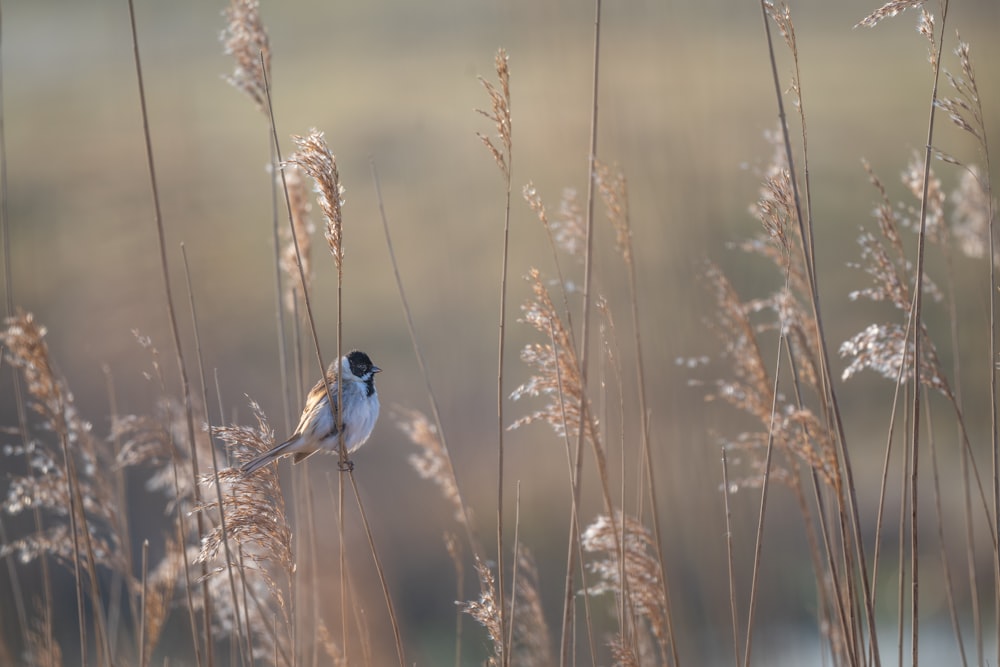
x=185, y=384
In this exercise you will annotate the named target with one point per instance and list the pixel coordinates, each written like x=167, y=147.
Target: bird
x=317, y=429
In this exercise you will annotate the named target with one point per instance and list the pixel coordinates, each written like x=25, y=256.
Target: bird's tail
x=273, y=454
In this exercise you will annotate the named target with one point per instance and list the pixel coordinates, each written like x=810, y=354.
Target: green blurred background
x=686, y=95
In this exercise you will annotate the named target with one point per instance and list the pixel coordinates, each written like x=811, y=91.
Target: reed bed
x=241, y=572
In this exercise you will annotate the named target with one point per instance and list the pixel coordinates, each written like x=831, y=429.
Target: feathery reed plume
x=614, y=192
x=795, y=429
x=971, y=214
x=913, y=179
x=965, y=109
x=486, y=611
x=315, y=159
x=160, y=586
x=431, y=462
x=974, y=203
x=883, y=347
x=258, y=527
x=888, y=10
x=46, y=486
x=925, y=26
x=642, y=573
x=532, y=645
x=557, y=371
x=254, y=506
x=499, y=113
x=39, y=650
x=70, y=482
x=304, y=228
x=157, y=440
x=245, y=39
x=329, y=646
x=775, y=209
x=566, y=229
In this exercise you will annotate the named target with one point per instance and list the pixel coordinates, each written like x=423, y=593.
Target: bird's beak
x=376, y=369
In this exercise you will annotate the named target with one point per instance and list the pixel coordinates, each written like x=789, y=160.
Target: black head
x=361, y=365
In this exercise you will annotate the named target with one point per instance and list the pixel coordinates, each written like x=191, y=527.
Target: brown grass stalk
x=975, y=210
x=215, y=462
x=381, y=572
x=8, y=274
x=730, y=569
x=142, y=605
x=448, y=474
x=185, y=384
x=503, y=155
x=847, y=496
x=509, y=640
x=313, y=157
x=584, y=354
x=942, y=543
x=257, y=523
x=916, y=318
x=765, y=487
x=614, y=191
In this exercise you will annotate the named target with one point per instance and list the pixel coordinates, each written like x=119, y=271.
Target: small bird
x=317, y=427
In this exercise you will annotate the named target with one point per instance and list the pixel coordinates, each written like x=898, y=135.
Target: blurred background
x=686, y=96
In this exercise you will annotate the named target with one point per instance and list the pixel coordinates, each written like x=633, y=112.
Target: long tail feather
x=255, y=464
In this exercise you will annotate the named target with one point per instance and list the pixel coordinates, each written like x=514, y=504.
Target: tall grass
x=245, y=576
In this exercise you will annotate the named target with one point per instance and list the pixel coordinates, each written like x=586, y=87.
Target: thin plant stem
x=418, y=352
x=901, y=564
x=15, y=584
x=729, y=561
x=849, y=505
x=835, y=576
x=142, y=605
x=575, y=547
x=504, y=655
x=121, y=526
x=77, y=574
x=342, y=561
x=185, y=384
x=585, y=329
x=247, y=648
x=765, y=487
x=974, y=608
x=215, y=461
x=883, y=491
x=295, y=243
x=313, y=582
x=648, y=466
x=822, y=593
x=279, y=311
x=916, y=316
x=514, y=568
x=381, y=572
x=942, y=544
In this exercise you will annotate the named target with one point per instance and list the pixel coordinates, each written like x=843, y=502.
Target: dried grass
x=431, y=462
x=259, y=531
x=532, y=644
x=888, y=10
x=245, y=39
x=300, y=208
x=557, y=369
x=313, y=156
x=642, y=585
x=499, y=114
x=486, y=611
x=46, y=485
